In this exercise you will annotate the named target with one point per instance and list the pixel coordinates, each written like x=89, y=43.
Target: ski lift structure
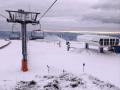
x=26, y=17
x=23, y=18
x=37, y=34
x=14, y=35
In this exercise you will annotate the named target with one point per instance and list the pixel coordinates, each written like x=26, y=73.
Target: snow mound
x=64, y=81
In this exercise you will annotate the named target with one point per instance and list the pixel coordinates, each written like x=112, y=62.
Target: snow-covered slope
x=60, y=61
x=4, y=43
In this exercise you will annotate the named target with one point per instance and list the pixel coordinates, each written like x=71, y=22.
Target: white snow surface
x=41, y=53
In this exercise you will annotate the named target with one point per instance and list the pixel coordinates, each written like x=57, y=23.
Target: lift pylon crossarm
x=22, y=11
x=27, y=21
x=21, y=16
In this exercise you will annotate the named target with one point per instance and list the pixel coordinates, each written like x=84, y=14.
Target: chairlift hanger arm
x=13, y=25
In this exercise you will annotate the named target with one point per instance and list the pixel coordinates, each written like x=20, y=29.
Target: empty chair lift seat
x=37, y=34
x=14, y=36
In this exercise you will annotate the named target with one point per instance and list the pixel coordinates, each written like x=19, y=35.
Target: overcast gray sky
x=70, y=14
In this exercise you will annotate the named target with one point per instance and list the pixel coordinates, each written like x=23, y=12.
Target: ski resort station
x=43, y=60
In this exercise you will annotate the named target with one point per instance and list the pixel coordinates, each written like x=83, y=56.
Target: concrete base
x=24, y=66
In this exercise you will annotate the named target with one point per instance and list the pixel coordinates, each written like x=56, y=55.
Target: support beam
x=101, y=50
x=86, y=45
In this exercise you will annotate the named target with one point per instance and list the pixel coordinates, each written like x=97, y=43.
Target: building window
x=101, y=42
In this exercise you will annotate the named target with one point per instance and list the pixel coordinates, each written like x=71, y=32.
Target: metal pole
x=24, y=47
x=24, y=41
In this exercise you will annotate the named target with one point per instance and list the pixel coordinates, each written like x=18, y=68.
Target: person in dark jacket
x=68, y=45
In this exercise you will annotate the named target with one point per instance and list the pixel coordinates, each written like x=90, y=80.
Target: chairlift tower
x=24, y=18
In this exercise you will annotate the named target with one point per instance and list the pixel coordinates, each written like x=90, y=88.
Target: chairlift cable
x=1, y=20
x=48, y=10
x=3, y=16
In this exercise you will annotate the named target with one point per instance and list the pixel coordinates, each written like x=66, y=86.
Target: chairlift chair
x=37, y=34
x=14, y=35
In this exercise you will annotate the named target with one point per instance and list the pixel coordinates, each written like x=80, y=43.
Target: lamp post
x=24, y=18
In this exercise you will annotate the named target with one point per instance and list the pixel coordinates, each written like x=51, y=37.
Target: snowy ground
x=40, y=54
x=4, y=43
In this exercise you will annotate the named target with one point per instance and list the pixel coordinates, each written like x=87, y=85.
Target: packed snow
x=52, y=67
x=4, y=43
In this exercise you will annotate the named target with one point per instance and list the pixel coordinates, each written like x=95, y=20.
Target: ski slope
x=42, y=53
x=4, y=43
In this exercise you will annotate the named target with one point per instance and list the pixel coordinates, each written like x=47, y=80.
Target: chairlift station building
x=99, y=40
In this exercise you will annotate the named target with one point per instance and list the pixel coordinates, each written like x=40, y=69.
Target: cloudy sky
x=69, y=14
